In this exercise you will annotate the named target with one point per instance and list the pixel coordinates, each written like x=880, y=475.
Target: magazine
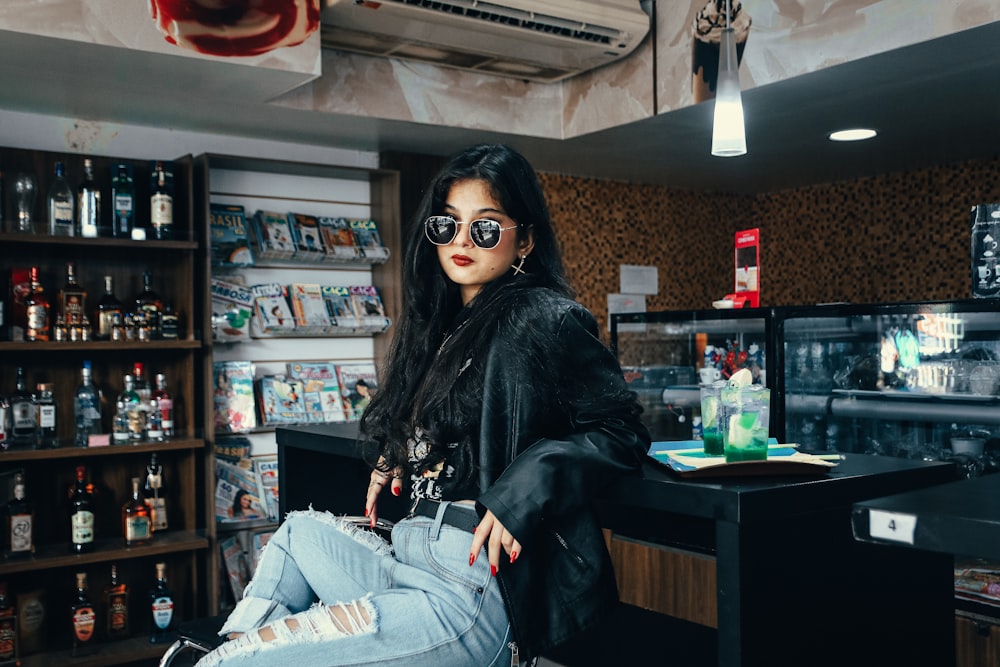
x=271, y=310
x=233, y=396
x=232, y=308
x=281, y=400
x=308, y=307
x=368, y=308
x=237, y=569
x=233, y=503
x=230, y=241
x=368, y=240
x=338, y=239
x=266, y=473
x=358, y=382
x=274, y=234
x=339, y=308
x=319, y=379
x=305, y=232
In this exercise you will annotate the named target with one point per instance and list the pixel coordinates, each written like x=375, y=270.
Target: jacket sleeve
x=566, y=448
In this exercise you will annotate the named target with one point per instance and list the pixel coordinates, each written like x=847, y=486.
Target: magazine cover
x=338, y=239
x=266, y=471
x=308, y=306
x=305, y=231
x=368, y=240
x=233, y=503
x=271, y=309
x=338, y=306
x=274, y=234
x=258, y=540
x=281, y=400
x=233, y=396
x=230, y=240
x=358, y=382
x=319, y=378
x=237, y=568
x=368, y=307
x=232, y=308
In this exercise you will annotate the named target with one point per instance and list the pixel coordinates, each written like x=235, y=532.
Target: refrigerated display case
x=662, y=353
x=915, y=380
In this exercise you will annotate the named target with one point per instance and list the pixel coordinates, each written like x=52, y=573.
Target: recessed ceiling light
x=853, y=134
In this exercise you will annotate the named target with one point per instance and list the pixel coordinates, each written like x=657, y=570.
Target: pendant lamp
x=728, y=133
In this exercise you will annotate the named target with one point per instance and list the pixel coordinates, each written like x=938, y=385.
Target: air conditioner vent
x=512, y=39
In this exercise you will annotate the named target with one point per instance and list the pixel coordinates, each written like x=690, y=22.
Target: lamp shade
x=728, y=133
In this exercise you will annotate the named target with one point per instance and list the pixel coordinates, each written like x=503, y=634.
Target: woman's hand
x=378, y=480
x=492, y=533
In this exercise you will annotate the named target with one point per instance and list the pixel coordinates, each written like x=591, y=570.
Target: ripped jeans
x=332, y=594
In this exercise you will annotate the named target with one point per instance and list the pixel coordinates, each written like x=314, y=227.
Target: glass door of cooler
x=916, y=380
x=664, y=354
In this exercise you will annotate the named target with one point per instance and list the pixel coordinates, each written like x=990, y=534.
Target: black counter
x=794, y=587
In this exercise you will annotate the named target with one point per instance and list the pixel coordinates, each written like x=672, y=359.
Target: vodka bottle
x=24, y=414
x=86, y=408
x=61, y=206
x=88, y=197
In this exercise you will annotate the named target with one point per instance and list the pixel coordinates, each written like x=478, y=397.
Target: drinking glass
x=24, y=188
x=744, y=414
x=711, y=395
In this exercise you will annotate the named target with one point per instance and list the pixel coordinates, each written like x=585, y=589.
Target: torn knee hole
x=350, y=618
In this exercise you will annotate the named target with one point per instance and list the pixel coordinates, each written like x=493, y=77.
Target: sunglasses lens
x=485, y=233
x=440, y=229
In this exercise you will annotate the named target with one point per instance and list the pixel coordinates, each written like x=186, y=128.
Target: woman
x=503, y=415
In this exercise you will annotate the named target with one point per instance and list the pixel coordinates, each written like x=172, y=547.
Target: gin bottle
x=61, y=218
x=165, y=404
x=24, y=414
x=88, y=198
x=47, y=413
x=86, y=408
x=123, y=202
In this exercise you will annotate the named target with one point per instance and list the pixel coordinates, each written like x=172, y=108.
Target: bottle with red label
x=83, y=618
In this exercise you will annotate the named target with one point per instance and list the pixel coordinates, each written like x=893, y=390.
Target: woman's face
x=466, y=264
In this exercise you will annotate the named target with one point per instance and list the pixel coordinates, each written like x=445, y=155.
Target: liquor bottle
x=116, y=606
x=107, y=308
x=161, y=602
x=10, y=646
x=123, y=202
x=83, y=617
x=46, y=411
x=23, y=414
x=155, y=496
x=20, y=522
x=133, y=409
x=170, y=324
x=61, y=220
x=36, y=305
x=88, y=197
x=119, y=428
x=165, y=404
x=154, y=423
x=5, y=424
x=149, y=304
x=81, y=515
x=86, y=408
x=136, y=525
x=140, y=383
x=60, y=333
x=71, y=301
x=161, y=206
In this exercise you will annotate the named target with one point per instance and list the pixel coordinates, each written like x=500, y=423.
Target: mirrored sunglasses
x=485, y=233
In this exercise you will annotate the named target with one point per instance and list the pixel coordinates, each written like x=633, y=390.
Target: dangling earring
x=518, y=269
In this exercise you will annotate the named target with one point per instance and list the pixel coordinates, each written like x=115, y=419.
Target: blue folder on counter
x=687, y=458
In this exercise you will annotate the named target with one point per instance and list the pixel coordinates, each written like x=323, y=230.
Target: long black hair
x=435, y=337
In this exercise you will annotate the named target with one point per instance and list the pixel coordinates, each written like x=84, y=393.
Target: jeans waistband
x=459, y=516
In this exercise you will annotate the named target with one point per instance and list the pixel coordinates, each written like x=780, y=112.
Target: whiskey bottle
x=86, y=408
x=36, y=306
x=149, y=304
x=10, y=645
x=20, y=522
x=161, y=206
x=71, y=301
x=61, y=220
x=161, y=602
x=133, y=409
x=81, y=515
x=46, y=412
x=60, y=333
x=116, y=606
x=23, y=414
x=83, y=618
x=88, y=203
x=135, y=518
x=123, y=202
x=107, y=308
x=165, y=404
x=155, y=495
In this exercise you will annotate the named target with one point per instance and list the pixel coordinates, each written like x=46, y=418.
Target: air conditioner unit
x=526, y=39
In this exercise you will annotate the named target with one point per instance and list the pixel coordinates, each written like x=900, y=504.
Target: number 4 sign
x=891, y=526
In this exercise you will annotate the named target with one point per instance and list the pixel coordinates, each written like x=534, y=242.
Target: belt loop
x=442, y=507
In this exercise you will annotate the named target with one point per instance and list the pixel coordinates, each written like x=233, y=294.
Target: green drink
x=713, y=442
x=743, y=417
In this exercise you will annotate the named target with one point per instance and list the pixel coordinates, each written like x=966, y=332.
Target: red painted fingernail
x=493, y=570
x=472, y=559
x=366, y=511
x=513, y=556
x=395, y=490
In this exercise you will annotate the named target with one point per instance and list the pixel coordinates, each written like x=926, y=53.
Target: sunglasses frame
x=501, y=228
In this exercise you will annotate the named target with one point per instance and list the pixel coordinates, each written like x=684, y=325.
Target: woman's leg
x=313, y=555
x=436, y=610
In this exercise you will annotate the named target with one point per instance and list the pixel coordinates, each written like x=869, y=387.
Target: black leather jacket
x=546, y=450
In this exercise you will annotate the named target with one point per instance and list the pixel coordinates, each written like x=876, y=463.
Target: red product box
x=17, y=314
